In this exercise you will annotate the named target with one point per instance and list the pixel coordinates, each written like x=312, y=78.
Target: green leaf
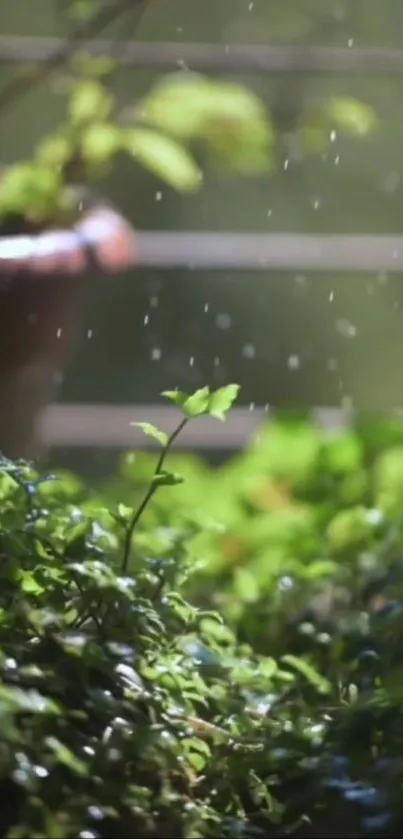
x=89, y=101
x=154, y=432
x=197, y=403
x=65, y=756
x=63, y=486
x=125, y=513
x=222, y=400
x=238, y=130
x=167, y=479
x=100, y=142
x=29, y=189
x=351, y=115
x=176, y=396
x=228, y=117
x=29, y=584
x=27, y=700
x=306, y=670
x=349, y=528
x=163, y=156
x=268, y=667
x=76, y=540
x=198, y=753
x=235, y=104
x=55, y=150
x=179, y=105
x=319, y=569
x=342, y=453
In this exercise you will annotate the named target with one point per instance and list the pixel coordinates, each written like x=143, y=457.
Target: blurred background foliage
x=299, y=520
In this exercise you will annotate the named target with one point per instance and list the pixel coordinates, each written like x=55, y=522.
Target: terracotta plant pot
x=41, y=277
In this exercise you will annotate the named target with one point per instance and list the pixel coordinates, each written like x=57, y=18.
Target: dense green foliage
x=217, y=658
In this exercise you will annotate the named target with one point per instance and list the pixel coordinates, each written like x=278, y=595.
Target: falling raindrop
x=252, y=406
x=249, y=351
x=294, y=362
x=223, y=320
x=89, y=333
x=59, y=332
x=346, y=328
x=286, y=164
x=191, y=361
x=333, y=136
x=156, y=354
x=154, y=301
x=206, y=307
x=286, y=583
x=331, y=297
x=158, y=196
x=146, y=320
x=41, y=771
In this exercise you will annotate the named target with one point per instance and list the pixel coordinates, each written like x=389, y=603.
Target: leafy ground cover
x=194, y=652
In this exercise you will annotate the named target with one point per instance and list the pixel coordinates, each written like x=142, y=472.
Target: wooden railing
x=215, y=58
x=114, y=426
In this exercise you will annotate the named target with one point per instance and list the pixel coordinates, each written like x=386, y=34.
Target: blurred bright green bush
x=206, y=652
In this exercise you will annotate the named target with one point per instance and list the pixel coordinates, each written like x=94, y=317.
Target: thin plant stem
x=149, y=494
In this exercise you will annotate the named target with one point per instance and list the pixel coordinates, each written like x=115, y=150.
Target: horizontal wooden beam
x=274, y=251
x=214, y=251
x=114, y=426
x=215, y=58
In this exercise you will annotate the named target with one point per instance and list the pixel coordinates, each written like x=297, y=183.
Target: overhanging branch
x=60, y=51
